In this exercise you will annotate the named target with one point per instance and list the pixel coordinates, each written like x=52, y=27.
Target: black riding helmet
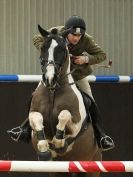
x=76, y=24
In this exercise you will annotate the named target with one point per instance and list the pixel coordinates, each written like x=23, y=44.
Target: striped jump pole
x=91, y=78
x=66, y=166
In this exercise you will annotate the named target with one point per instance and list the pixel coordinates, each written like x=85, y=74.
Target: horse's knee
x=63, y=118
x=36, y=120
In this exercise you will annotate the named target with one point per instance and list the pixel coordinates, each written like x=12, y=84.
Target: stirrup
x=20, y=134
x=15, y=133
x=109, y=146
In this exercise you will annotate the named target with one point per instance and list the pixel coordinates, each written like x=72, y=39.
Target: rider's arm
x=93, y=51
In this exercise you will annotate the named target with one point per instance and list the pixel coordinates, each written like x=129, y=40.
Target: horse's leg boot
x=43, y=148
x=21, y=133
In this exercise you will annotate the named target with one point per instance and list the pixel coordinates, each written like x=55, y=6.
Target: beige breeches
x=84, y=85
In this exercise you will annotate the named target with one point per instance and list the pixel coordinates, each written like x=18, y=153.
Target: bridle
x=44, y=64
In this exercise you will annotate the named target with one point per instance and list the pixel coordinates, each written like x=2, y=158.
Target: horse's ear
x=66, y=32
x=42, y=31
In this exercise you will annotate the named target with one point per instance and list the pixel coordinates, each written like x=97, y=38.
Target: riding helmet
x=76, y=25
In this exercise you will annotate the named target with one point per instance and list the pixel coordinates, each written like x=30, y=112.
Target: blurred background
x=108, y=21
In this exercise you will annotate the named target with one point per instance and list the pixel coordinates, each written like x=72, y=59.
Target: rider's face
x=74, y=38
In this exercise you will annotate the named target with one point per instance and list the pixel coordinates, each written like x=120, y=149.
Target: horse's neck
x=66, y=76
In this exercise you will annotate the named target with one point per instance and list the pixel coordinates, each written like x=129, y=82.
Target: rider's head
x=77, y=27
x=76, y=24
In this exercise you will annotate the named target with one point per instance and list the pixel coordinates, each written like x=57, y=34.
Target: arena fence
x=66, y=166
x=91, y=78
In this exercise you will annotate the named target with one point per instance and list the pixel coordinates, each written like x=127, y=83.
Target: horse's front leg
x=36, y=122
x=64, y=117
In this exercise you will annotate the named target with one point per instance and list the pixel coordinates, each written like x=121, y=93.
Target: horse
x=57, y=115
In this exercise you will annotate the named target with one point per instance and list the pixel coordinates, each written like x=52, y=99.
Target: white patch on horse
x=50, y=68
x=63, y=117
x=50, y=73
x=51, y=50
x=36, y=121
x=76, y=127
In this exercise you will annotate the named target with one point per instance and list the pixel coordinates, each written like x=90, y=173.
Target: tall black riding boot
x=21, y=133
x=104, y=141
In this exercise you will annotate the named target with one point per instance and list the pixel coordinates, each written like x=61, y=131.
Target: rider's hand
x=81, y=60
x=38, y=41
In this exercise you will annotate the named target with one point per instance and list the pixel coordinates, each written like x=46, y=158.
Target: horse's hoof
x=63, y=149
x=44, y=156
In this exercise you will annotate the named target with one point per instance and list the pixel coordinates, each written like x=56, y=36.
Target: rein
x=65, y=77
x=58, y=76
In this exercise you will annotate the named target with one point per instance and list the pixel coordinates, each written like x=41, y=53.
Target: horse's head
x=53, y=56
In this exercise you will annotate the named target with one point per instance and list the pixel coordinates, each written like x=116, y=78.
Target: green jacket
x=86, y=46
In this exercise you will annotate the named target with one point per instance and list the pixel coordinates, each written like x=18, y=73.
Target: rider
x=85, y=52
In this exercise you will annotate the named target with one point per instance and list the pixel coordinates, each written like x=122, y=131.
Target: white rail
x=66, y=166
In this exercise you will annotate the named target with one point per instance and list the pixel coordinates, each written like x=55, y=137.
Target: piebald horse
x=57, y=116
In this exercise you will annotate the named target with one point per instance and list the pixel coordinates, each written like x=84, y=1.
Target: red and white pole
x=64, y=166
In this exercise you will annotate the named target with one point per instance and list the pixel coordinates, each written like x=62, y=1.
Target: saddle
x=87, y=102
